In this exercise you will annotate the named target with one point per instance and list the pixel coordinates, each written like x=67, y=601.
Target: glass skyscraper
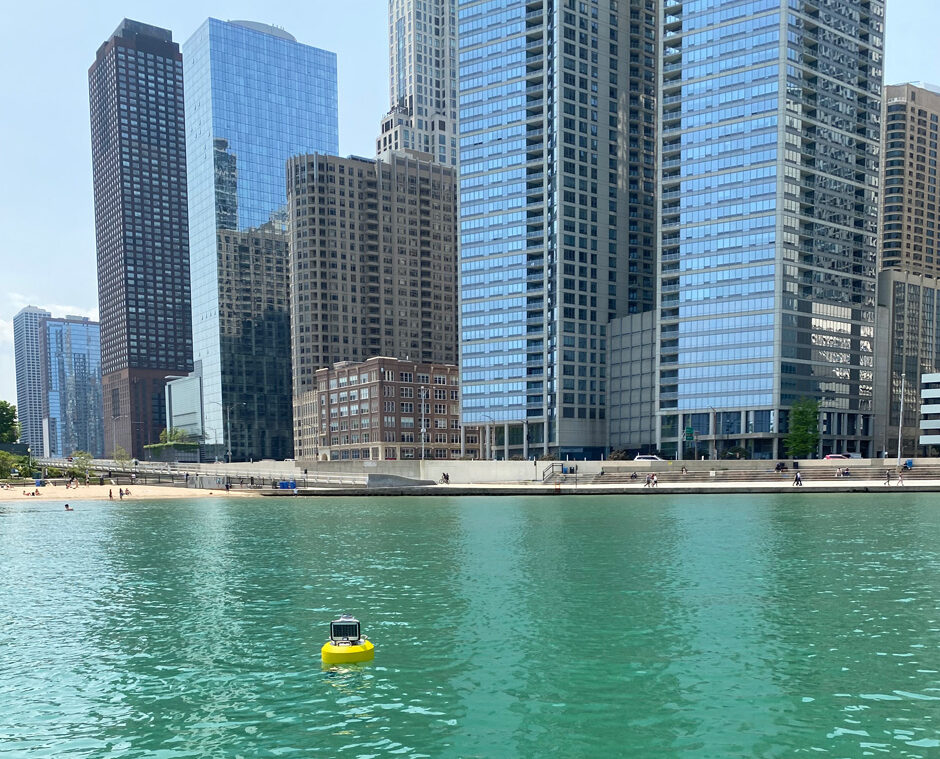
x=27, y=325
x=255, y=97
x=770, y=119
x=71, y=387
x=557, y=213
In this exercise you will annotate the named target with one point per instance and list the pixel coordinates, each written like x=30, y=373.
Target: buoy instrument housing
x=347, y=644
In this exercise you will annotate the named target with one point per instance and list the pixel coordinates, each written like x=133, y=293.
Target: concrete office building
x=907, y=329
x=422, y=50
x=929, y=437
x=387, y=408
x=71, y=387
x=770, y=144
x=139, y=167
x=184, y=405
x=27, y=354
x=255, y=96
x=632, y=395
x=908, y=292
x=557, y=209
x=373, y=267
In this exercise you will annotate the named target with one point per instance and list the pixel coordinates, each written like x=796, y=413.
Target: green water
x=745, y=626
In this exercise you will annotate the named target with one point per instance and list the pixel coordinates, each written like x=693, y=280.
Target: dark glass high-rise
x=139, y=166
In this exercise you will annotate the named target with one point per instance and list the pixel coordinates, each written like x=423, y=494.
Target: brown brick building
x=385, y=408
x=373, y=254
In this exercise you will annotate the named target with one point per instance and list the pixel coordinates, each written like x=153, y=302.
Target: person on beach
x=121, y=493
x=110, y=494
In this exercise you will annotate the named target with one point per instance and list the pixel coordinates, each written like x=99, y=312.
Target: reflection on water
x=714, y=627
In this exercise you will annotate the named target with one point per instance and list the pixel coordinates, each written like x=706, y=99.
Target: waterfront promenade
x=151, y=480
x=669, y=483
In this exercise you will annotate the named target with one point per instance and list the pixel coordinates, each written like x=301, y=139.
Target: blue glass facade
x=494, y=187
x=26, y=328
x=557, y=146
x=71, y=387
x=255, y=97
x=770, y=139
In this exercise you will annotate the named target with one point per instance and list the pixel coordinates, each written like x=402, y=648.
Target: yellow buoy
x=346, y=644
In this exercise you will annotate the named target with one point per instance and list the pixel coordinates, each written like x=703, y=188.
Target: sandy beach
x=63, y=495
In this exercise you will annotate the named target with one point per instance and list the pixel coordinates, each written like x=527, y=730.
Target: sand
x=62, y=495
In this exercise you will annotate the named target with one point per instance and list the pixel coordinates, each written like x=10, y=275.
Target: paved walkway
x=671, y=486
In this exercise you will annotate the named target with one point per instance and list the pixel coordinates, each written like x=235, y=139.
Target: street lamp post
x=227, y=430
x=113, y=435
x=489, y=442
x=714, y=432
x=423, y=421
x=900, y=417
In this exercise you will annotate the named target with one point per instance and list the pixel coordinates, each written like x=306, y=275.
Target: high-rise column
x=139, y=168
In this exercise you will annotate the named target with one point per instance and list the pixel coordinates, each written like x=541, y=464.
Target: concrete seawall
x=444, y=491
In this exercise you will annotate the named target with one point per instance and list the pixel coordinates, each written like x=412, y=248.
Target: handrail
x=208, y=470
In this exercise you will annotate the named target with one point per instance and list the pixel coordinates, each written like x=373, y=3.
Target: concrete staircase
x=813, y=472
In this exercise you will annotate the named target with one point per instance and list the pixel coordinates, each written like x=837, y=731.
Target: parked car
x=836, y=456
x=647, y=457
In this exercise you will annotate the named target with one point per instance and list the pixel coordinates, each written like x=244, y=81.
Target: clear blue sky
x=46, y=208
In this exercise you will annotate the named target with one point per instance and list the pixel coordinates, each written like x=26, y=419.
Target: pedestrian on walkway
x=887, y=476
x=900, y=477
x=649, y=481
x=798, y=480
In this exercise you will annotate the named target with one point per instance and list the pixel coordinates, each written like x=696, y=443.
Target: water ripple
x=714, y=627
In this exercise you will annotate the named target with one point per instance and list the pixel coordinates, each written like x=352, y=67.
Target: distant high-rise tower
x=71, y=387
x=255, y=97
x=770, y=120
x=908, y=289
x=557, y=212
x=139, y=161
x=422, y=49
x=27, y=354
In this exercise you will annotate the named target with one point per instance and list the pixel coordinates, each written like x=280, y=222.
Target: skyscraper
x=910, y=236
x=422, y=49
x=255, y=97
x=27, y=356
x=71, y=387
x=908, y=290
x=557, y=212
x=770, y=122
x=373, y=268
x=139, y=165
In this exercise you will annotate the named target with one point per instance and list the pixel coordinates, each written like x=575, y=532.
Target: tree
x=120, y=455
x=803, y=439
x=9, y=429
x=8, y=462
x=81, y=462
x=173, y=435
